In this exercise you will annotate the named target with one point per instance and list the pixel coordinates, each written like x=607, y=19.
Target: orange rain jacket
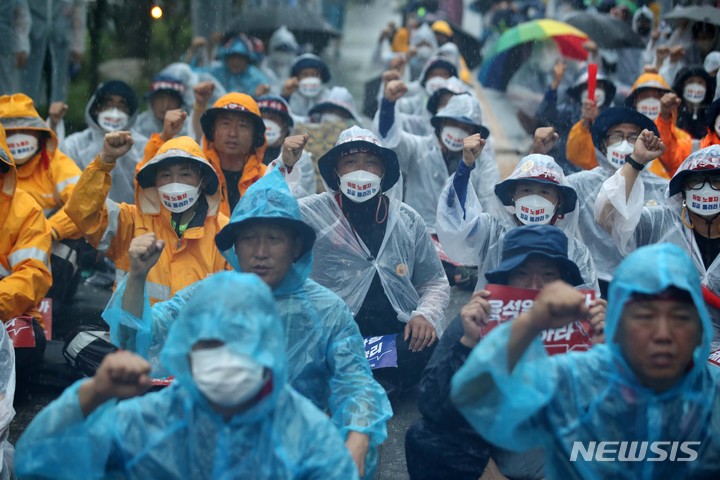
x=24, y=245
x=110, y=227
x=50, y=176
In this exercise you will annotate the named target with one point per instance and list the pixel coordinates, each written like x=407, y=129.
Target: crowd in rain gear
x=323, y=344
x=473, y=235
x=189, y=256
x=244, y=81
x=83, y=146
x=141, y=437
x=48, y=175
x=573, y=397
x=633, y=225
x=14, y=24
x=588, y=183
x=7, y=412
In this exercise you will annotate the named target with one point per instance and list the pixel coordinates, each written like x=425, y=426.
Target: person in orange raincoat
x=49, y=176
x=24, y=262
x=177, y=200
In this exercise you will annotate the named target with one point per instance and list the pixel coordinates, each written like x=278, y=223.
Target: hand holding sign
x=473, y=316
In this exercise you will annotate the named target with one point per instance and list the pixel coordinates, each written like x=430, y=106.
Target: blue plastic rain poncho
x=471, y=234
x=325, y=350
x=594, y=395
x=633, y=225
x=244, y=82
x=424, y=168
x=175, y=433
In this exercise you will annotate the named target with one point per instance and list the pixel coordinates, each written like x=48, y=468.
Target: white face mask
x=22, y=146
x=704, y=202
x=617, y=152
x=331, y=117
x=424, y=52
x=694, y=93
x=226, y=378
x=650, y=107
x=452, y=138
x=178, y=197
x=599, y=97
x=432, y=84
x=281, y=59
x=112, y=120
x=717, y=126
x=273, y=132
x=534, y=210
x=310, y=87
x=360, y=185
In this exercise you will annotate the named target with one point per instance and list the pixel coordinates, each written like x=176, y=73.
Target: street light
x=156, y=12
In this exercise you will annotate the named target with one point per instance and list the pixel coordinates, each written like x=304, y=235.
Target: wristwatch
x=637, y=166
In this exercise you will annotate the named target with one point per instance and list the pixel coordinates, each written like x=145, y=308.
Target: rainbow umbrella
x=515, y=46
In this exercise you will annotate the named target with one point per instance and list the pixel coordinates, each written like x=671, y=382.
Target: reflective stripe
x=113, y=210
x=119, y=274
x=66, y=253
x=4, y=272
x=158, y=291
x=20, y=122
x=60, y=186
x=27, y=254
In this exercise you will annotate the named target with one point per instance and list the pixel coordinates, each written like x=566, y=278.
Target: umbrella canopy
x=307, y=26
x=606, y=31
x=705, y=14
x=515, y=46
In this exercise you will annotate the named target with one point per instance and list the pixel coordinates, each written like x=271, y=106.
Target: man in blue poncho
x=266, y=236
x=229, y=414
x=648, y=393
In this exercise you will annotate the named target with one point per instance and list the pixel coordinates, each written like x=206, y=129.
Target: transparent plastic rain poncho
x=419, y=37
x=84, y=146
x=410, y=270
x=325, y=350
x=415, y=100
x=300, y=105
x=587, y=184
x=475, y=236
x=425, y=172
x=7, y=395
x=174, y=433
x=595, y=395
x=633, y=225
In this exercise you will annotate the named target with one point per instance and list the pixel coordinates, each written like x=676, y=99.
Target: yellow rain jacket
x=24, y=245
x=110, y=227
x=50, y=176
x=254, y=168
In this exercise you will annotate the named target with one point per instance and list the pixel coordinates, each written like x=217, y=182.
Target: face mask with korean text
x=705, y=201
x=360, y=186
x=650, y=107
x=534, y=210
x=694, y=93
x=22, y=146
x=453, y=138
x=178, y=197
x=617, y=152
x=112, y=120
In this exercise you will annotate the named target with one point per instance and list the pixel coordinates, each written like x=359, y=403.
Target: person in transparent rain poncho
x=376, y=254
x=230, y=413
x=166, y=93
x=536, y=193
x=307, y=85
x=614, y=133
x=427, y=161
x=648, y=392
x=689, y=218
x=422, y=45
x=7, y=396
x=267, y=237
x=434, y=75
x=282, y=50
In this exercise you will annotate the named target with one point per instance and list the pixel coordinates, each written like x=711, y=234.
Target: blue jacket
x=175, y=433
x=595, y=395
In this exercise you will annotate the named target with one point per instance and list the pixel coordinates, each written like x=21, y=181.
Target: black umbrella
x=606, y=31
x=307, y=26
x=468, y=45
x=705, y=14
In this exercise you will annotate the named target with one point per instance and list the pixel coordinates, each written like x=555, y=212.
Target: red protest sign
x=20, y=331
x=507, y=303
x=592, y=80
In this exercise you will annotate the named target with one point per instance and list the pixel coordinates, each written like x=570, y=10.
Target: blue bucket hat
x=235, y=46
x=309, y=60
x=529, y=241
x=615, y=116
x=119, y=88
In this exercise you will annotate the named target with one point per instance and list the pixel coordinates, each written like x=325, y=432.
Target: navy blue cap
x=309, y=60
x=615, y=116
x=116, y=87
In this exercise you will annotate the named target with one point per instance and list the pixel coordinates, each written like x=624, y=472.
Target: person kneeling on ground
x=229, y=413
x=442, y=444
x=648, y=387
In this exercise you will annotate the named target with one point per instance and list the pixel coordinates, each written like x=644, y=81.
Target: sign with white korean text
x=381, y=352
x=507, y=303
x=714, y=358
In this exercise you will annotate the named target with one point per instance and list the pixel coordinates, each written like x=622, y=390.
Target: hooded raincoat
x=595, y=396
x=50, y=175
x=84, y=146
x=147, y=123
x=243, y=82
x=110, y=227
x=24, y=245
x=325, y=350
x=175, y=433
x=471, y=234
x=633, y=225
x=300, y=104
x=425, y=170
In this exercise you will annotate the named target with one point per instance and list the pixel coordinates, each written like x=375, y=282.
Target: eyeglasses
x=617, y=137
x=699, y=182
